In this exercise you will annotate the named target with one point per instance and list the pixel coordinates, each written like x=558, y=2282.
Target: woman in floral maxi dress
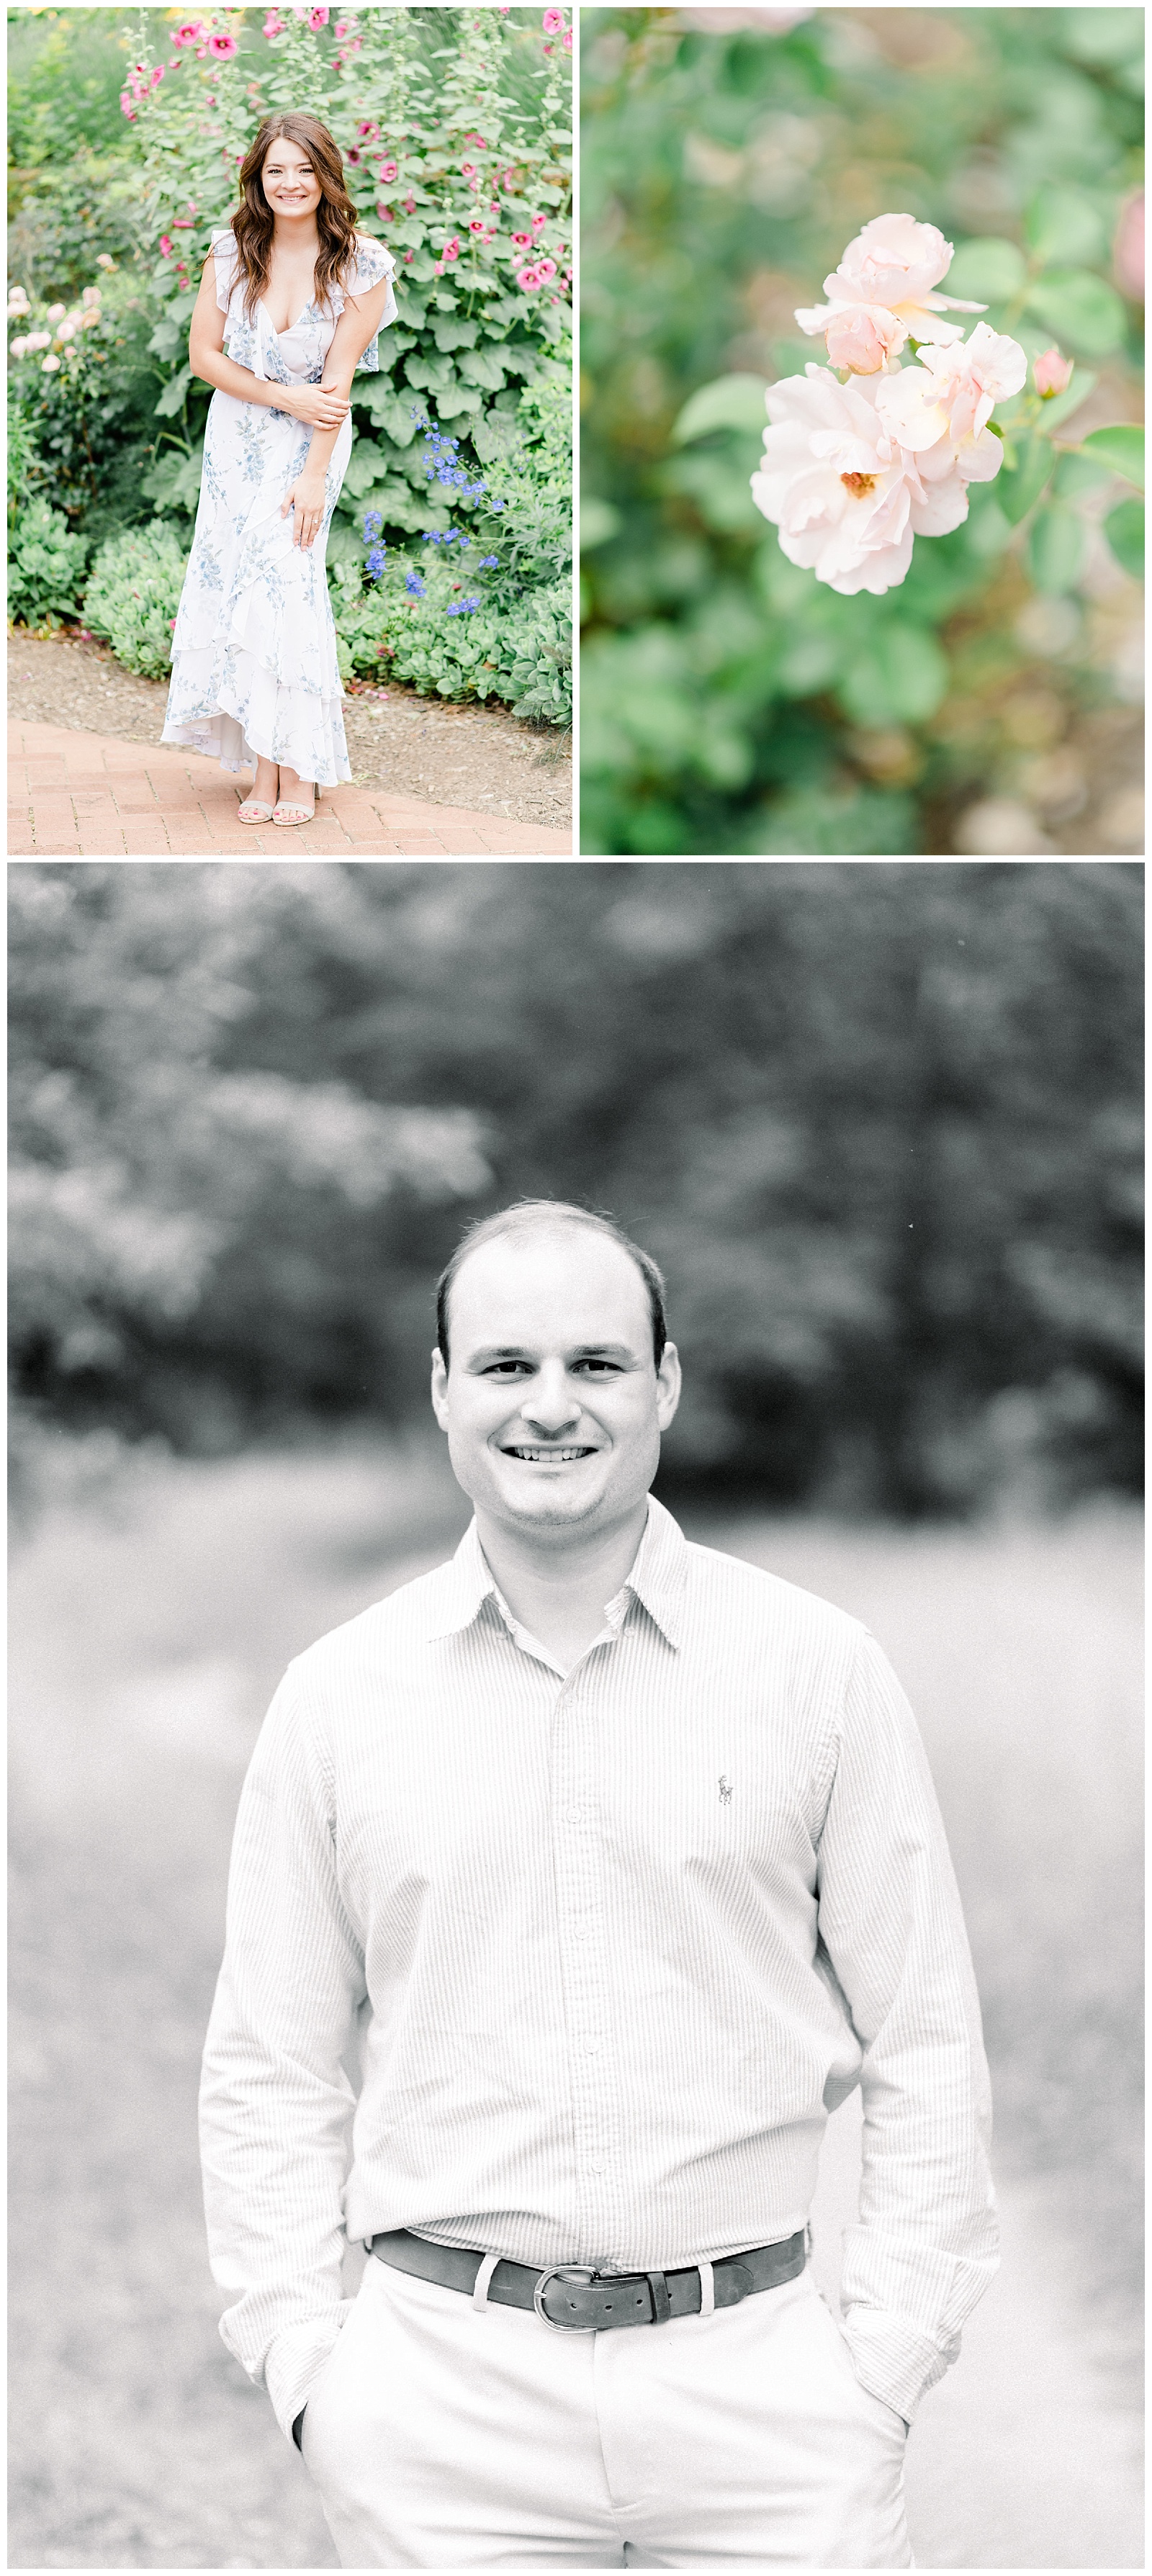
x=254, y=671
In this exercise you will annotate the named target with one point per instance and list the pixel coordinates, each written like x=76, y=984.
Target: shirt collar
x=658, y=1578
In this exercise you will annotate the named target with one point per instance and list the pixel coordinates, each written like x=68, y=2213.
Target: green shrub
x=66, y=214
x=133, y=595
x=45, y=565
x=482, y=607
x=87, y=407
x=521, y=654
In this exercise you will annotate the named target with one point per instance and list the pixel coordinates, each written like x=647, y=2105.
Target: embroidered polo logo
x=725, y=1791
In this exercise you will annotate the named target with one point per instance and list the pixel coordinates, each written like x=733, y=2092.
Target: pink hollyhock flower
x=165, y=247
x=384, y=212
x=157, y=75
x=368, y=132
x=388, y=172
x=553, y=21
x=545, y=268
x=523, y=241
x=538, y=223
x=407, y=256
x=845, y=497
x=526, y=277
x=127, y=108
x=467, y=169
x=1051, y=373
x=354, y=159
x=188, y=33
x=222, y=46
x=273, y=26
x=409, y=205
x=951, y=394
x=210, y=101
x=317, y=18
x=567, y=40
x=477, y=224
x=886, y=278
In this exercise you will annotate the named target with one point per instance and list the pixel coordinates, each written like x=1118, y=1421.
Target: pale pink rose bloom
x=1051, y=374
x=863, y=337
x=951, y=395
x=890, y=270
x=834, y=483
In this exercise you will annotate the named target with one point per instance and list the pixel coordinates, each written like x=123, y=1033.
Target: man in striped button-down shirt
x=573, y=1886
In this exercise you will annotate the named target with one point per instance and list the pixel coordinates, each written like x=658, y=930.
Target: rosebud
x=1051, y=373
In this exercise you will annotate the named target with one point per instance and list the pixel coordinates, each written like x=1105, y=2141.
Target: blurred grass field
x=154, y=1606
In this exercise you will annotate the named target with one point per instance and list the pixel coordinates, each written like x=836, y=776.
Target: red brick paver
x=89, y=795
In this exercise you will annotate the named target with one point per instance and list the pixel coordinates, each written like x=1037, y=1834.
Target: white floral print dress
x=254, y=666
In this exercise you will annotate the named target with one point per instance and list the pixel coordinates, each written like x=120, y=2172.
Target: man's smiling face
x=553, y=1404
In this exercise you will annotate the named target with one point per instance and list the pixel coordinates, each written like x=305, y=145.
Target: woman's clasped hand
x=318, y=406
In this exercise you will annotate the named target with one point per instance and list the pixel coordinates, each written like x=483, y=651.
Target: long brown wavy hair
x=253, y=223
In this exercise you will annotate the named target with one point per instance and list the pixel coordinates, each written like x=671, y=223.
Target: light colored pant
x=443, y=2435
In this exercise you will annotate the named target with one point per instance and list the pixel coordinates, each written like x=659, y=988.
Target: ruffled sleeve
x=226, y=258
x=373, y=265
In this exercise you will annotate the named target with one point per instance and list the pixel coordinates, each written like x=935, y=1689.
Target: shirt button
x=590, y=2047
x=574, y=1815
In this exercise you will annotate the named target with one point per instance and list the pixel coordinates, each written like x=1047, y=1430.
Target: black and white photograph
x=576, y=1712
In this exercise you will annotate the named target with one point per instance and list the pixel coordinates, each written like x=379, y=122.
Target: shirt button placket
x=583, y=1952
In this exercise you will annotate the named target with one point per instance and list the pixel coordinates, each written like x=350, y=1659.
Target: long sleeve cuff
x=294, y=2362
x=893, y=2360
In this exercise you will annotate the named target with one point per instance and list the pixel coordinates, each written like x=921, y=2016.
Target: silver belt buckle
x=562, y=2272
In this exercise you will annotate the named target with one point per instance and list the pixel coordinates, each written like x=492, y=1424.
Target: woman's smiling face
x=288, y=179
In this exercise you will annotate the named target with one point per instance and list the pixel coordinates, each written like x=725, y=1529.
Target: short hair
x=555, y=1212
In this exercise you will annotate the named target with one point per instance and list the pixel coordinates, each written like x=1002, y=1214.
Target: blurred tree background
x=881, y=1124
x=729, y=701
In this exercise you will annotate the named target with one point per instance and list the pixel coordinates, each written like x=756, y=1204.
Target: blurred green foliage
x=880, y=1123
x=730, y=702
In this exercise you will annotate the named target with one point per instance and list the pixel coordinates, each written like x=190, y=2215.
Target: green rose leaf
x=1120, y=448
x=1080, y=310
x=1058, y=406
x=1062, y=224
x=993, y=270
x=900, y=678
x=1124, y=529
x=733, y=402
x=1056, y=544
x=1018, y=488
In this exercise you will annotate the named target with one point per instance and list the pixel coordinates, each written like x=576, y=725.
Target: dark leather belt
x=586, y=2302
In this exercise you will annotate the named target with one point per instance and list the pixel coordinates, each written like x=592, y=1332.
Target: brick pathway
x=90, y=795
